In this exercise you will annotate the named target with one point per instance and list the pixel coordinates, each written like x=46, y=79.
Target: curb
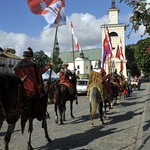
x=143, y=138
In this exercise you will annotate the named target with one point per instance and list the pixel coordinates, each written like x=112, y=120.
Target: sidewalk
x=143, y=139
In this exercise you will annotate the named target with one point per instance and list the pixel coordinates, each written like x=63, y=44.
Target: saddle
x=95, y=80
x=71, y=91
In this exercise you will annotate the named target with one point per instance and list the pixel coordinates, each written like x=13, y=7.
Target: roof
x=91, y=54
x=10, y=55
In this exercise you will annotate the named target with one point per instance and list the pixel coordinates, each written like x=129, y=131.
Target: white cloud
x=86, y=27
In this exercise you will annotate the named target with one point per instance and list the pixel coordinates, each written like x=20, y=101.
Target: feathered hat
x=28, y=52
x=65, y=64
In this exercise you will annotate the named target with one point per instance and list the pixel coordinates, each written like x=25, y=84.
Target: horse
x=96, y=102
x=13, y=105
x=61, y=94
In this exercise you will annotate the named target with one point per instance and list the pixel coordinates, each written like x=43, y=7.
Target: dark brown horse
x=62, y=94
x=13, y=105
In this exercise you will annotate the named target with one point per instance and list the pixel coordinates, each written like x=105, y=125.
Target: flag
x=119, y=54
x=52, y=10
x=75, y=38
x=107, y=47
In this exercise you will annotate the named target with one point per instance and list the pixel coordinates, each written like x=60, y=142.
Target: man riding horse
x=33, y=85
x=65, y=74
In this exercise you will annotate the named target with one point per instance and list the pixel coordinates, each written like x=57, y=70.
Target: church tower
x=117, y=34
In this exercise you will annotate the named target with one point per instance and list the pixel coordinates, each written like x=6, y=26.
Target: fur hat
x=28, y=52
x=65, y=64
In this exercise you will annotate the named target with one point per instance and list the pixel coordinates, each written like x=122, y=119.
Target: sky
x=20, y=28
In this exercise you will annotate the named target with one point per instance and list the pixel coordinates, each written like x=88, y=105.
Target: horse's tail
x=93, y=101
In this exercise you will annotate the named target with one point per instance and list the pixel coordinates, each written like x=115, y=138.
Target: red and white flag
x=119, y=54
x=52, y=10
x=75, y=38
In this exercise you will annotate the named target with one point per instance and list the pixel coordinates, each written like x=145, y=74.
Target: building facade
x=117, y=35
x=8, y=61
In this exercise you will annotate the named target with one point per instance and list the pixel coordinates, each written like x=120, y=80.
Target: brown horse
x=61, y=94
x=13, y=105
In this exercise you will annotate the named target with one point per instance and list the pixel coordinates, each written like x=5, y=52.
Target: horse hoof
x=61, y=123
x=56, y=121
x=30, y=147
x=92, y=125
x=49, y=140
x=72, y=116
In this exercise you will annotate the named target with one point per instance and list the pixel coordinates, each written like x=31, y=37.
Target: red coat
x=33, y=85
x=64, y=76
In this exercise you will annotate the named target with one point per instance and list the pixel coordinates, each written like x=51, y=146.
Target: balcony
x=2, y=65
x=11, y=65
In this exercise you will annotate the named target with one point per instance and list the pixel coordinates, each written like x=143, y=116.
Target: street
x=119, y=132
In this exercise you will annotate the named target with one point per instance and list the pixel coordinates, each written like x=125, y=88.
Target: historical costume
x=65, y=78
x=33, y=84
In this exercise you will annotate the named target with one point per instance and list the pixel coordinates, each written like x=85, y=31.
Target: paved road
x=119, y=133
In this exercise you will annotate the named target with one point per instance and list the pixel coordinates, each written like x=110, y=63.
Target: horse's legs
x=30, y=129
x=105, y=107
x=71, y=108
x=101, y=112
x=7, y=137
x=1, y=122
x=64, y=110
x=91, y=116
x=56, y=117
x=44, y=125
x=60, y=106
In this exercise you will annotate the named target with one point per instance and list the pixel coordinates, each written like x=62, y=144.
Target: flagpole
x=73, y=51
x=51, y=68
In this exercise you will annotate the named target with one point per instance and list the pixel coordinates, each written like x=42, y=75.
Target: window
x=78, y=67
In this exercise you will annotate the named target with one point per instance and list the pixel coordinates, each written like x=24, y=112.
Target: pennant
x=118, y=52
x=121, y=66
x=75, y=38
x=121, y=53
x=52, y=10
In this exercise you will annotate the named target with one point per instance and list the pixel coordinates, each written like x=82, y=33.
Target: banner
x=75, y=38
x=52, y=10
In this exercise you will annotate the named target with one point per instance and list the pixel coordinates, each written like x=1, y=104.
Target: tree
x=131, y=64
x=57, y=62
x=11, y=50
x=140, y=16
x=142, y=56
x=41, y=59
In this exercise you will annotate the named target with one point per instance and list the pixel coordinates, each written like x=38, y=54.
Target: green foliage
x=140, y=16
x=57, y=62
x=131, y=64
x=41, y=59
x=142, y=56
x=11, y=50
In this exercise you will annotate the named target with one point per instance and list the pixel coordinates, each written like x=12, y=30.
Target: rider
x=136, y=79
x=33, y=84
x=65, y=74
x=104, y=80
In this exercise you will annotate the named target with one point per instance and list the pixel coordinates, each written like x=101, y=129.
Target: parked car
x=144, y=79
x=82, y=86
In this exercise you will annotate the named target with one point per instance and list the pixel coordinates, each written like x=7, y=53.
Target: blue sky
x=19, y=28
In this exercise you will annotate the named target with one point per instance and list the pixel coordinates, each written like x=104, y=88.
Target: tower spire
x=113, y=4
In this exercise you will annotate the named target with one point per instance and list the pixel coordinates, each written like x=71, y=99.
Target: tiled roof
x=91, y=54
x=10, y=55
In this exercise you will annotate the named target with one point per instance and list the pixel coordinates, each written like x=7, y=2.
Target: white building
x=8, y=61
